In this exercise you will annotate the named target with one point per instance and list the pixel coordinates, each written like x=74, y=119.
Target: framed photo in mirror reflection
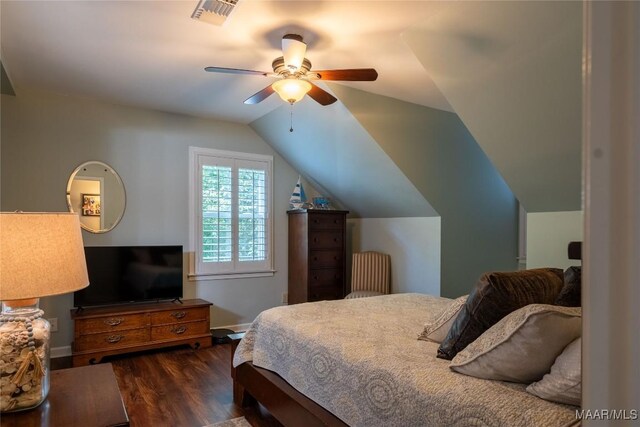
x=91, y=205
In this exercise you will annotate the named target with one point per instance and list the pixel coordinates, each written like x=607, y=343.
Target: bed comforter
x=360, y=360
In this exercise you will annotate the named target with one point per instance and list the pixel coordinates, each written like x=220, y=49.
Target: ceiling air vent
x=214, y=11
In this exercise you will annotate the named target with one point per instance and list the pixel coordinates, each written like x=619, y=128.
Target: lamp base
x=24, y=355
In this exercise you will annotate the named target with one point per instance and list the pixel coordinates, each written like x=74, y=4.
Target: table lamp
x=41, y=254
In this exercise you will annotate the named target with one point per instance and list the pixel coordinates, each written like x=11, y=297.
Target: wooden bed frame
x=252, y=384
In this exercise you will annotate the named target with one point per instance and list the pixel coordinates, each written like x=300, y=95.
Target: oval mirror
x=96, y=192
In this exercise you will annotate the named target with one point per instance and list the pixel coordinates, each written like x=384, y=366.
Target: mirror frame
x=124, y=193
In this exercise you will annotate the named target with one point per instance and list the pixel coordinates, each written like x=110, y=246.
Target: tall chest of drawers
x=317, y=255
x=105, y=331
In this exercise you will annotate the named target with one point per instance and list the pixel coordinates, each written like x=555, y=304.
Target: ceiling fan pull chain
x=291, y=118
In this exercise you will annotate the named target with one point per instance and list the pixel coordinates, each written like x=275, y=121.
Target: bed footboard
x=252, y=385
x=285, y=403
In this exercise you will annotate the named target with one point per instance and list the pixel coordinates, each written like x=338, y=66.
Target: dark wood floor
x=178, y=387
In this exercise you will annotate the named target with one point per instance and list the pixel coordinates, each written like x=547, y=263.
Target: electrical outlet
x=285, y=298
x=54, y=324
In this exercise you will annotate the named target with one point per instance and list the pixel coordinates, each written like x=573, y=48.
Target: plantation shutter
x=253, y=215
x=233, y=209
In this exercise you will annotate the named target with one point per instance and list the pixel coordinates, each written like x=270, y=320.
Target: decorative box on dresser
x=105, y=331
x=317, y=255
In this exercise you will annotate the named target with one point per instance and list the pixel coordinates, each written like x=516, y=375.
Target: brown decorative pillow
x=571, y=293
x=495, y=296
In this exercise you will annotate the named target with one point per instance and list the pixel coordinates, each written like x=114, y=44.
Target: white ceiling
x=152, y=54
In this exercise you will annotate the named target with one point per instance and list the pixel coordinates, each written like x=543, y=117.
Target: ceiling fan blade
x=321, y=96
x=235, y=71
x=293, y=51
x=354, y=74
x=260, y=96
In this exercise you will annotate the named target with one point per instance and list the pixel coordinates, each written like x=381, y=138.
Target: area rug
x=236, y=422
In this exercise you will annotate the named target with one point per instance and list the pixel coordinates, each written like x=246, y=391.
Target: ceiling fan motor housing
x=280, y=68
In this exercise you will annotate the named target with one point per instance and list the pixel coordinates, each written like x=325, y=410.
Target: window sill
x=225, y=276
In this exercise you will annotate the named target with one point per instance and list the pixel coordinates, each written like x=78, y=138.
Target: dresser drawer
x=325, y=239
x=179, y=315
x=325, y=293
x=325, y=277
x=110, y=323
x=323, y=259
x=319, y=221
x=178, y=330
x=113, y=339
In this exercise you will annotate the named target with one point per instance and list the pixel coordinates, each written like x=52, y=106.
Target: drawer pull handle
x=178, y=314
x=112, y=339
x=179, y=330
x=113, y=321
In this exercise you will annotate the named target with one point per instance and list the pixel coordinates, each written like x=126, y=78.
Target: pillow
x=438, y=329
x=522, y=346
x=571, y=293
x=363, y=294
x=564, y=383
x=495, y=296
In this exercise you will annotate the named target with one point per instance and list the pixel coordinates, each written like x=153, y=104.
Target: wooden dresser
x=104, y=331
x=317, y=255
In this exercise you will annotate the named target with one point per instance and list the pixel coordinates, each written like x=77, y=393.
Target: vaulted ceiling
x=509, y=70
x=152, y=54
x=514, y=78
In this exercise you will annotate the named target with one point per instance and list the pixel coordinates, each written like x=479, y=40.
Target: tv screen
x=121, y=274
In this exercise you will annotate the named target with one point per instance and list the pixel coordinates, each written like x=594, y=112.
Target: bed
x=357, y=362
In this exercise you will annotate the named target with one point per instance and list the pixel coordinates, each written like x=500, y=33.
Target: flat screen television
x=123, y=274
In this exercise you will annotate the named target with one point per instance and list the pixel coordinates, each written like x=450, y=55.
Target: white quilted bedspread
x=360, y=360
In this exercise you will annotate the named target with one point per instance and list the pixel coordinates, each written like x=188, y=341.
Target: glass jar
x=24, y=355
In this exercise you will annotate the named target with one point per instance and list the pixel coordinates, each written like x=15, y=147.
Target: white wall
x=548, y=234
x=44, y=138
x=414, y=246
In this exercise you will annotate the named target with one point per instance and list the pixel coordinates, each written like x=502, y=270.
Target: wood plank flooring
x=178, y=387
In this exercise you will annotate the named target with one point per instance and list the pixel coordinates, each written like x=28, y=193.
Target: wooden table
x=87, y=396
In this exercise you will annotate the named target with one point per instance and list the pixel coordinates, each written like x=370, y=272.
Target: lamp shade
x=40, y=254
x=291, y=90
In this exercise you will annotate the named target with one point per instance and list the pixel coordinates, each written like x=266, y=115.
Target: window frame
x=198, y=157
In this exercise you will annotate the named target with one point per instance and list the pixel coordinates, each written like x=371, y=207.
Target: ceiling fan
x=295, y=77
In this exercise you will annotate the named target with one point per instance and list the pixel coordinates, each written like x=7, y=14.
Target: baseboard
x=63, y=351
x=236, y=328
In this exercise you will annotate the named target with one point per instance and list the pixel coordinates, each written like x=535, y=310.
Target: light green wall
x=45, y=137
x=548, y=234
x=479, y=216
x=331, y=148
x=512, y=71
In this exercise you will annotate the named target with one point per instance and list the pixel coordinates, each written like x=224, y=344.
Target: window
x=231, y=223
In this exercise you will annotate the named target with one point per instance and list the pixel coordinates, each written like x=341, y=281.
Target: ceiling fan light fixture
x=291, y=90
